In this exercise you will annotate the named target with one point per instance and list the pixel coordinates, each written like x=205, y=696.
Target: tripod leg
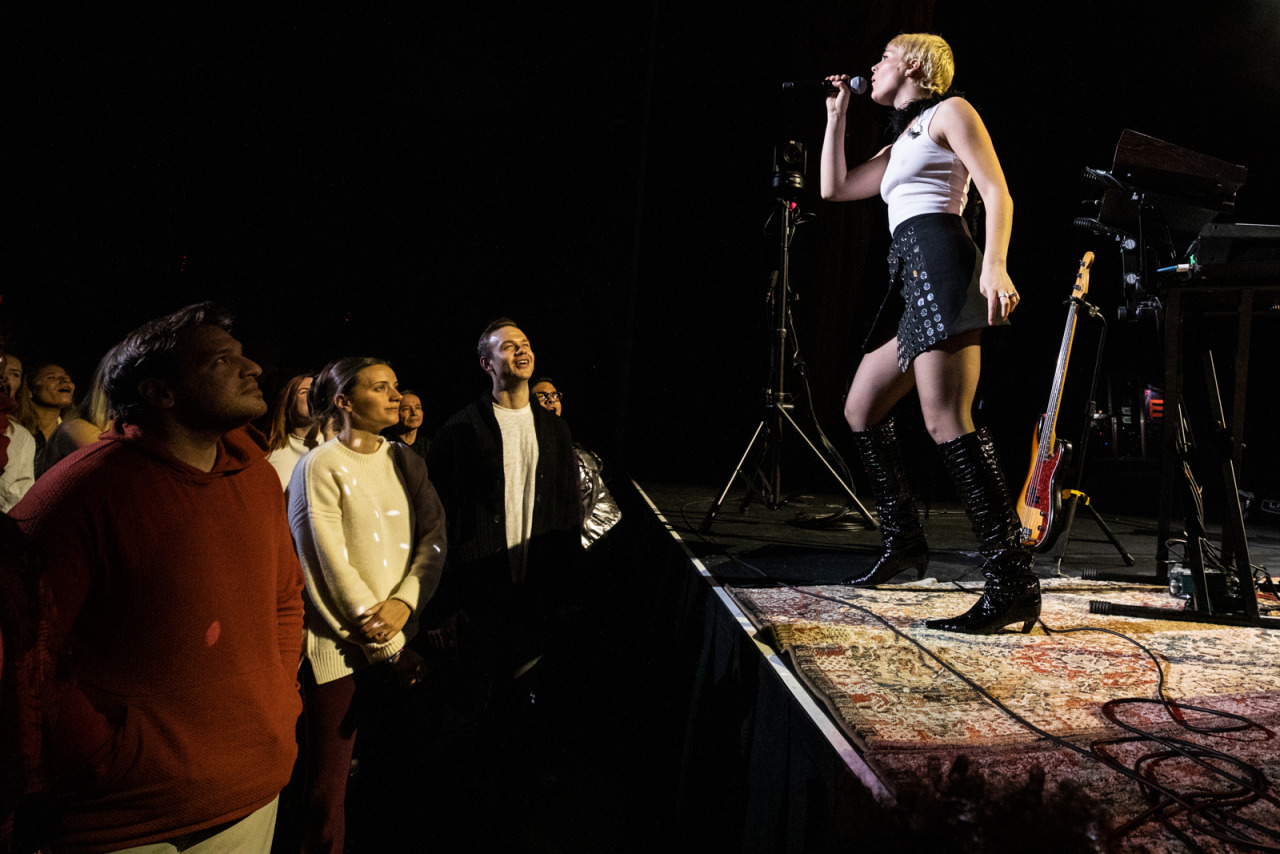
x=866, y=514
x=715, y=508
x=1124, y=555
x=1072, y=503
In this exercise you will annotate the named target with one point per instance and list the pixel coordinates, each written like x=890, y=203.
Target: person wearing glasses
x=544, y=391
x=599, y=511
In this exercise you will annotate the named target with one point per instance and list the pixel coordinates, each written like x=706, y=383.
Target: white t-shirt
x=519, y=470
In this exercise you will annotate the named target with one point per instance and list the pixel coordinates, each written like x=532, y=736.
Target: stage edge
x=848, y=754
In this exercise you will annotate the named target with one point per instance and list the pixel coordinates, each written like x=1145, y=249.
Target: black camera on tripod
x=790, y=163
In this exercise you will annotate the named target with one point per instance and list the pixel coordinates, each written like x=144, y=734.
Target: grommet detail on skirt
x=921, y=328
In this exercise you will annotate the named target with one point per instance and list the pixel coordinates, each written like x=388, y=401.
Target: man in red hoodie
x=178, y=614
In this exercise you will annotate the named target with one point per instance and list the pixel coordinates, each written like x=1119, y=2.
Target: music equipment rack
x=1157, y=197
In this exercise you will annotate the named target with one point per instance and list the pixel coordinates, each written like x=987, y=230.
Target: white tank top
x=921, y=176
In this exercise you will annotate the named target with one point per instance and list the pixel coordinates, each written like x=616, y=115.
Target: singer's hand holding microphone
x=837, y=87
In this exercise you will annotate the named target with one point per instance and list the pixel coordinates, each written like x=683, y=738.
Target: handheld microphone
x=857, y=84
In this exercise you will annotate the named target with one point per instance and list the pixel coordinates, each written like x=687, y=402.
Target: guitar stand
x=1075, y=499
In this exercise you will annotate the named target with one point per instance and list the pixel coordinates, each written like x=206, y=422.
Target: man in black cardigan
x=507, y=476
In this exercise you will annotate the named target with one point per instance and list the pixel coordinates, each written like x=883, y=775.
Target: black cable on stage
x=1254, y=788
x=1210, y=813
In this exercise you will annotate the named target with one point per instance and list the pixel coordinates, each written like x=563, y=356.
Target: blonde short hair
x=937, y=64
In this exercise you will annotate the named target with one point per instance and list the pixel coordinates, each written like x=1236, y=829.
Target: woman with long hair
x=46, y=394
x=370, y=534
x=289, y=427
x=82, y=425
x=950, y=291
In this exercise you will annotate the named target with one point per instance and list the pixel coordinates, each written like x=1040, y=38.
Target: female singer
x=951, y=290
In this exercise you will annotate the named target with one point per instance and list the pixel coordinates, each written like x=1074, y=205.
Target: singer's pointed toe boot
x=1012, y=591
x=903, y=535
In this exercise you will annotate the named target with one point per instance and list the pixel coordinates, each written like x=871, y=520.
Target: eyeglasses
x=548, y=396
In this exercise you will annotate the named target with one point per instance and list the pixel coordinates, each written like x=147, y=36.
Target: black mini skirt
x=936, y=268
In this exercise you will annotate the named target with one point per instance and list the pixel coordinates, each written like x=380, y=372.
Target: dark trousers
x=331, y=712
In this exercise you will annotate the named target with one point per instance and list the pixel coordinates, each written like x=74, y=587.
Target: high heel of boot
x=913, y=555
x=1003, y=603
x=1012, y=592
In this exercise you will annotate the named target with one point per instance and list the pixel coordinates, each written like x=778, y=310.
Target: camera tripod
x=767, y=440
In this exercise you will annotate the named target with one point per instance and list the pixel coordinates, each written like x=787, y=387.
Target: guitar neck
x=1048, y=430
x=1048, y=433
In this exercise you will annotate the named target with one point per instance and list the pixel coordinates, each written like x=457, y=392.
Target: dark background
x=361, y=180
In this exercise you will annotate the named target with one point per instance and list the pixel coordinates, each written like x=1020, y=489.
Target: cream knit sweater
x=351, y=523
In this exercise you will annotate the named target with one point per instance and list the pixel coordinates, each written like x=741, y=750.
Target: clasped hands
x=383, y=621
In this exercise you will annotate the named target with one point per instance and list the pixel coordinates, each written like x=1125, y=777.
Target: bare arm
x=958, y=126
x=839, y=182
x=82, y=432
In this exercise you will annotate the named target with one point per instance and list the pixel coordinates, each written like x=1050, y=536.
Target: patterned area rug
x=914, y=719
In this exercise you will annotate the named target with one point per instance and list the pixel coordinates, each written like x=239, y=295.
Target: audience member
x=11, y=376
x=289, y=426
x=370, y=534
x=545, y=392
x=178, y=608
x=83, y=424
x=599, y=511
x=409, y=429
x=46, y=395
x=25, y=608
x=19, y=466
x=508, y=479
x=8, y=406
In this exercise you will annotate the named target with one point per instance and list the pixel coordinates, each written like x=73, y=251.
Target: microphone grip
x=857, y=84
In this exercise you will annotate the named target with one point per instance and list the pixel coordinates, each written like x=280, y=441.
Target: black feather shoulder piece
x=900, y=120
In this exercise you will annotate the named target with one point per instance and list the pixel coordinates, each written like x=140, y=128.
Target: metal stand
x=1077, y=496
x=767, y=441
x=1217, y=602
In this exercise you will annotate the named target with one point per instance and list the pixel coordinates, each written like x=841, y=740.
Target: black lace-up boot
x=1012, y=592
x=904, y=545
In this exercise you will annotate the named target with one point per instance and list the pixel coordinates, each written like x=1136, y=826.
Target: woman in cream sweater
x=370, y=534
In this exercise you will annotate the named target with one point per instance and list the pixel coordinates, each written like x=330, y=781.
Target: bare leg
x=877, y=386
x=946, y=378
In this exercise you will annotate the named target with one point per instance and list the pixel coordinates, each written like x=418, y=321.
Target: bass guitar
x=1040, y=502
